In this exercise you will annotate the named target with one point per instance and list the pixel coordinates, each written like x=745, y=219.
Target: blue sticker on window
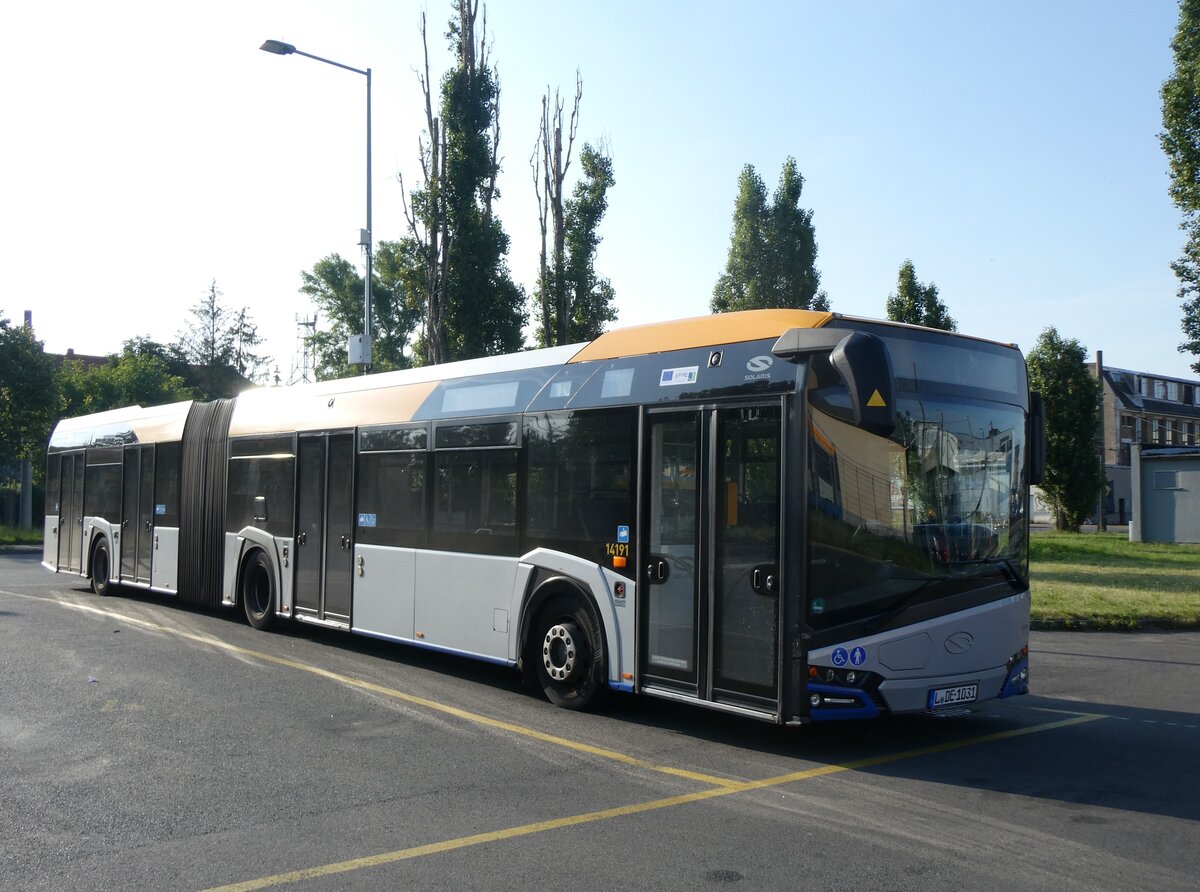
x=366, y=520
x=622, y=534
x=160, y=510
x=840, y=656
x=858, y=656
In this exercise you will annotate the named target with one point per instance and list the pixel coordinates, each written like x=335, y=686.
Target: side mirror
x=863, y=362
x=1035, y=438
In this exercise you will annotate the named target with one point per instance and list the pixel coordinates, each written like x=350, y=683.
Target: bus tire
x=567, y=652
x=101, y=568
x=256, y=588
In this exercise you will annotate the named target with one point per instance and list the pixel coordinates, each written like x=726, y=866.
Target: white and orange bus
x=783, y=514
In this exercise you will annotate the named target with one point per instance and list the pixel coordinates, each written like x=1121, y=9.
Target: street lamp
x=359, y=353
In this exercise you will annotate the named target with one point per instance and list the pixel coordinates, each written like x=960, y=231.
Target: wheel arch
x=542, y=587
x=97, y=530
x=239, y=547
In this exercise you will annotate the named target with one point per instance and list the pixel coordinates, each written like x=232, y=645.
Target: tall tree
x=250, y=364
x=1181, y=143
x=207, y=341
x=772, y=250
x=472, y=306
x=335, y=286
x=28, y=394
x=591, y=296
x=216, y=354
x=1071, y=395
x=573, y=301
x=918, y=304
x=551, y=160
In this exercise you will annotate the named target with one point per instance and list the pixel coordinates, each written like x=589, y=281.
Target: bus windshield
x=934, y=510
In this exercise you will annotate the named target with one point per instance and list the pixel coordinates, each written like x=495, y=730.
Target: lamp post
x=360, y=353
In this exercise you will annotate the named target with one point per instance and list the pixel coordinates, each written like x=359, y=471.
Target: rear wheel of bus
x=101, y=567
x=258, y=590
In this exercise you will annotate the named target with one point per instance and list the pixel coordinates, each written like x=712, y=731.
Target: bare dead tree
x=550, y=163
x=429, y=224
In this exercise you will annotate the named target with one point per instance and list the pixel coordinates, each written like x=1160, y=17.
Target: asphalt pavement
x=148, y=746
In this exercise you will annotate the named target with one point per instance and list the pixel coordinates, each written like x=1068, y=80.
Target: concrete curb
x=20, y=549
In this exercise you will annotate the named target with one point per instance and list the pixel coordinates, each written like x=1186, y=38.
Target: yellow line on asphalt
x=1064, y=711
x=434, y=705
x=464, y=842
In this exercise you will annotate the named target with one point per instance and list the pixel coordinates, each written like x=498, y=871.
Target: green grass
x=15, y=536
x=1104, y=581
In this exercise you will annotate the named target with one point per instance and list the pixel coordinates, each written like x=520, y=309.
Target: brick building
x=1144, y=408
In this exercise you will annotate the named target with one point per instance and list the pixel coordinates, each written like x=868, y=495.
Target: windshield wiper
x=902, y=605
x=1006, y=565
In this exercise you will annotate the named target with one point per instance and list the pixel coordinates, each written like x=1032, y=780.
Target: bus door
x=70, y=515
x=325, y=525
x=710, y=570
x=137, y=513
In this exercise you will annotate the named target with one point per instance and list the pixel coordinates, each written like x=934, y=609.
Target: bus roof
x=132, y=424
x=398, y=396
x=700, y=331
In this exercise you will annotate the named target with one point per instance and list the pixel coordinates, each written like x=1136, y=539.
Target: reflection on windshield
x=933, y=510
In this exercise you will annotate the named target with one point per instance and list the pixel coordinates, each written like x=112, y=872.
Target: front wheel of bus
x=258, y=591
x=101, y=568
x=567, y=650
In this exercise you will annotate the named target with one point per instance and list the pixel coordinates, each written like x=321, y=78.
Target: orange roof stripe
x=702, y=331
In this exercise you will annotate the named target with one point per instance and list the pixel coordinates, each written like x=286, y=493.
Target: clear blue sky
x=1009, y=149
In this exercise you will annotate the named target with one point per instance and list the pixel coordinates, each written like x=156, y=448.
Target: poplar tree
x=471, y=305
x=573, y=301
x=772, y=249
x=918, y=304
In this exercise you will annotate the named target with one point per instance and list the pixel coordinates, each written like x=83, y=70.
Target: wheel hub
x=558, y=652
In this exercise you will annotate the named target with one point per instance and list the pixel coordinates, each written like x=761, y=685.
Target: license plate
x=963, y=693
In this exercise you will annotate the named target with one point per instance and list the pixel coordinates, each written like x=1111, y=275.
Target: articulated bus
x=783, y=514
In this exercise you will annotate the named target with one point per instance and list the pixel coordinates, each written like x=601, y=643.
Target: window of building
x=1155, y=432
x=1160, y=390
x=1171, y=441
x=1166, y=480
x=1173, y=391
x=1127, y=428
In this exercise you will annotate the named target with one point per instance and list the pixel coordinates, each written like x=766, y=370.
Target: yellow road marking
x=359, y=683
x=464, y=842
x=1064, y=711
x=720, y=786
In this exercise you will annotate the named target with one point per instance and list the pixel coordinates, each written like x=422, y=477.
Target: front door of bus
x=324, y=526
x=710, y=571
